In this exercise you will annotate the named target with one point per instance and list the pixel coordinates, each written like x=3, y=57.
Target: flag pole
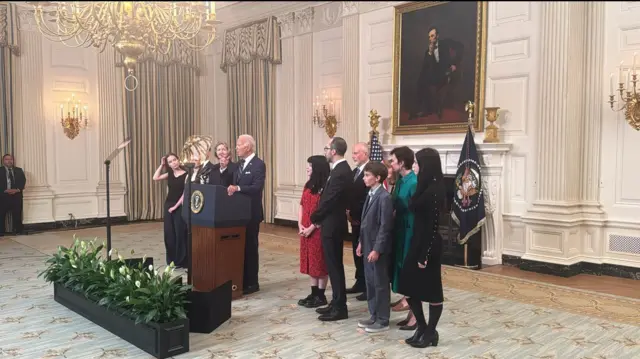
x=469, y=108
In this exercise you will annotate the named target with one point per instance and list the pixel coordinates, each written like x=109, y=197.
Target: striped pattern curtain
x=251, y=53
x=159, y=116
x=9, y=51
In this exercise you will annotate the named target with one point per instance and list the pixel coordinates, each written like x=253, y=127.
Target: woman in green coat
x=401, y=159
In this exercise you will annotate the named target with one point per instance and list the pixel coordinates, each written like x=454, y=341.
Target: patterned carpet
x=485, y=315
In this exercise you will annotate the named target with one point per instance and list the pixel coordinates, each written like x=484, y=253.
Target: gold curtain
x=159, y=115
x=251, y=53
x=9, y=52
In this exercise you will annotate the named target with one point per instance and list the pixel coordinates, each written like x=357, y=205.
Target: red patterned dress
x=311, y=254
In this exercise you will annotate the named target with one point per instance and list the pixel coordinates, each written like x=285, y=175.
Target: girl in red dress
x=311, y=255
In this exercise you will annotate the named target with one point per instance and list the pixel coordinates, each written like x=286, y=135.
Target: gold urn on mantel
x=491, y=131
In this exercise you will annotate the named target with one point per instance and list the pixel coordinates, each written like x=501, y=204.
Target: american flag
x=375, y=153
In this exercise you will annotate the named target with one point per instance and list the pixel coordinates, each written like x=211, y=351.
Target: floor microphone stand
x=186, y=201
x=107, y=165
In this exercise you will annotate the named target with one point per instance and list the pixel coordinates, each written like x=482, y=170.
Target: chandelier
x=134, y=28
x=75, y=119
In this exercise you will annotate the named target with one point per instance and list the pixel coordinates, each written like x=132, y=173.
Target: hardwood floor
x=602, y=284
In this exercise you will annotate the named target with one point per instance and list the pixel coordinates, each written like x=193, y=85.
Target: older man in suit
x=12, y=182
x=359, y=191
x=249, y=181
x=331, y=216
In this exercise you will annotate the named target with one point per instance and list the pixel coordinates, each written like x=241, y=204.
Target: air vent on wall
x=624, y=244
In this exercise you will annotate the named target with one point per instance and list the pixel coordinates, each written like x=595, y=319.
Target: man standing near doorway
x=359, y=192
x=330, y=216
x=249, y=180
x=12, y=182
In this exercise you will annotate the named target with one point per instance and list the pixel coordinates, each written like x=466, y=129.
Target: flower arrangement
x=139, y=292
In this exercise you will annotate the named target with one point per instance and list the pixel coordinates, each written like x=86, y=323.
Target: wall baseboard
x=285, y=223
x=567, y=271
x=32, y=228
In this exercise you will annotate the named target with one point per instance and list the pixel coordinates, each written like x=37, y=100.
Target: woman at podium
x=175, y=230
x=311, y=255
x=222, y=172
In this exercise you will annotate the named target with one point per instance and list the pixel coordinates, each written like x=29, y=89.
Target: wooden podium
x=218, y=237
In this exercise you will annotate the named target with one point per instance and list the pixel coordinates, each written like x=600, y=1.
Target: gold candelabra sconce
x=75, y=118
x=324, y=115
x=629, y=98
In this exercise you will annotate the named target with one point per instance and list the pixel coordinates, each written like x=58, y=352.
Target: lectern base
x=208, y=310
x=218, y=257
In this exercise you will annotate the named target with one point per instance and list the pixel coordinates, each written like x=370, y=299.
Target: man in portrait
x=440, y=75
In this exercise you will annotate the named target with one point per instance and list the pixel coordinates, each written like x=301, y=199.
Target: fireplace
x=452, y=252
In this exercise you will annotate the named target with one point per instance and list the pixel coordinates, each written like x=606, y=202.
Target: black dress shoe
x=303, y=302
x=251, y=289
x=362, y=297
x=402, y=323
x=325, y=310
x=409, y=327
x=417, y=335
x=335, y=315
x=315, y=302
x=427, y=339
x=357, y=288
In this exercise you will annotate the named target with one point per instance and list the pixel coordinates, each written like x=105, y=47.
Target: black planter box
x=160, y=340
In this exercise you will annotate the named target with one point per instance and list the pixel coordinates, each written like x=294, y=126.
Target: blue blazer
x=251, y=183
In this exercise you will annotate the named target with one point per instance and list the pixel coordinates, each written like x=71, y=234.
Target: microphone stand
x=107, y=165
x=187, y=202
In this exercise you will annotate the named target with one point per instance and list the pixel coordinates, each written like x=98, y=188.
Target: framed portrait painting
x=439, y=66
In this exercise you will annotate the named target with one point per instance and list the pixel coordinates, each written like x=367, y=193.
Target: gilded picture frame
x=421, y=20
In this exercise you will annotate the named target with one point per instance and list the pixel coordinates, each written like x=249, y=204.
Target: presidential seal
x=468, y=185
x=197, y=201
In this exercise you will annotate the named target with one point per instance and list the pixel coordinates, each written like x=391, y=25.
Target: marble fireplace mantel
x=493, y=156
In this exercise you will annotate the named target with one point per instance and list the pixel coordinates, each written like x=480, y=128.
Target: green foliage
x=142, y=293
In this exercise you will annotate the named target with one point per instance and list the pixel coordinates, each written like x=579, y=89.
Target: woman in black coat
x=222, y=172
x=421, y=276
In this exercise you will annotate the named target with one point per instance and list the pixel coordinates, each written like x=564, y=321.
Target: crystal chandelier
x=134, y=28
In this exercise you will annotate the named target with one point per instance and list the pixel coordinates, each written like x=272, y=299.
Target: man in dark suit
x=330, y=216
x=12, y=182
x=359, y=192
x=249, y=181
x=440, y=73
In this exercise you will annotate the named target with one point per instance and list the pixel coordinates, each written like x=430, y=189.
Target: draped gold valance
x=9, y=27
x=256, y=40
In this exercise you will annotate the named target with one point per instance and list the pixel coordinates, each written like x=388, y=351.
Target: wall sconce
x=629, y=97
x=75, y=119
x=324, y=115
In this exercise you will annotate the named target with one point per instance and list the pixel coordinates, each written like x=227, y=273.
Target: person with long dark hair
x=175, y=229
x=421, y=275
x=311, y=254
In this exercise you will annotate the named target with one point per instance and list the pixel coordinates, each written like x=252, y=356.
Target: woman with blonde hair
x=222, y=172
x=389, y=183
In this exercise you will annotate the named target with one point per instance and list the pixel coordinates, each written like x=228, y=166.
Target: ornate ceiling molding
x=350, y=8
x=287, y=24
x=304, y=21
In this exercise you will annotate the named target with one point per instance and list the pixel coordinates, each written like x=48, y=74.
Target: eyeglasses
x=327, y=148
